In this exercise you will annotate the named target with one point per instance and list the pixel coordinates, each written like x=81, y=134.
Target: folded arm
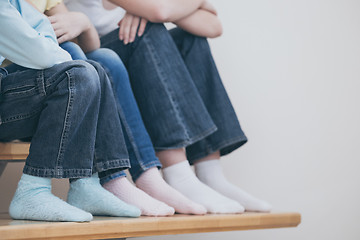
x=199, y=18
x=160, y=10
x=201, y=23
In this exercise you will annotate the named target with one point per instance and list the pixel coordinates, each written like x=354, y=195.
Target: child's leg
x=110, y=155
x=41, y=105
x=141, y=158
x=139, y=145
x=58, y=108
x=144, y=163
x=197, y=57
x=229, y=136
x=172, y=110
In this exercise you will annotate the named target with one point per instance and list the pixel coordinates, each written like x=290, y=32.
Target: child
x=143, y=161
x=179, y=92
x=66, y=107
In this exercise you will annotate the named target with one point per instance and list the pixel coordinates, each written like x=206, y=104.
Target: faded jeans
x=67, y=112
x=141, y=152
x=179, y=91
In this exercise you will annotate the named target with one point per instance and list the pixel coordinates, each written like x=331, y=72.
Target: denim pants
x=67, y=111
x=141, y=151
x=179, y=91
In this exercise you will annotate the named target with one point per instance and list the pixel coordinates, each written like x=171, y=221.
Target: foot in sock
x=127, y=192
x=181, y=177
x=89, y=195
x=153, y=184
x=210, y=173
x=33, y=200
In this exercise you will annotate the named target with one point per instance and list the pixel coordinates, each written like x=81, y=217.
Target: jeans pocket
x=17, y=91
x=19, y=98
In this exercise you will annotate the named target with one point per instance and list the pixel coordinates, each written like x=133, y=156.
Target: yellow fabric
x=5, y=63
x=44, y=5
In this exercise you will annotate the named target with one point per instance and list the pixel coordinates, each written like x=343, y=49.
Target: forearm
x=87, y=38
x=202, y=23
x=160, y=10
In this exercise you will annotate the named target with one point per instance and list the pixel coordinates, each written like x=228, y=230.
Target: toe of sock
x=226, y=208
x=194, y=208
x=163, y=211
x=131, y=211
x=259, y=206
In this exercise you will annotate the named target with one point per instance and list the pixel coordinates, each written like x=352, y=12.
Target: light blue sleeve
x=25, y=46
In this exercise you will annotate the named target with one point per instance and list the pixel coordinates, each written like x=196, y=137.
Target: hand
x=129, y=25
x=70, y=25
x=208, y=7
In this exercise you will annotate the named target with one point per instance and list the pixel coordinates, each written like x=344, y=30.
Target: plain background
x=291, y=68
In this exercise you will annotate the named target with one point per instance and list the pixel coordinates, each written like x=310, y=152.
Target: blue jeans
x=139, y=145
x=67, y=111
x=179, y=91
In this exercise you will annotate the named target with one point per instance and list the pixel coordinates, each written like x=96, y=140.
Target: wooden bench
x=12, y=152
x=110, y=227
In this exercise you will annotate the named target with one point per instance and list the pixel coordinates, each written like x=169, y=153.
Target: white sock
x=210, y=173
x=181, y=177
x=126, y=191
x=153, y=184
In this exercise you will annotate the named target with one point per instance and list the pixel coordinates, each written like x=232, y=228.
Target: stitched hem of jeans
x=110, y=177
x=190, y=141
x=58, y=172
x=224, y=147
x=145, y=167
x=104, y=165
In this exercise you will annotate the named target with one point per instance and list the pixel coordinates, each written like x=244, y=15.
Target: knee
x=105, y=53
x=107, y=58
x=74, y=50
x=84, y=79
x=156, y=29
x=102, y=75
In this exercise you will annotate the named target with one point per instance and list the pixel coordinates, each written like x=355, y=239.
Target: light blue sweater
x=27, y=37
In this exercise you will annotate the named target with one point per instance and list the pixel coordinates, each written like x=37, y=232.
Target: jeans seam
x=41, y=83
x=112, y=176
x=168, y=91
x=53, y=173
x=105, y=164
x=59, y=170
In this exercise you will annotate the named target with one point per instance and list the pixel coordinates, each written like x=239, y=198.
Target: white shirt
x=105, y=21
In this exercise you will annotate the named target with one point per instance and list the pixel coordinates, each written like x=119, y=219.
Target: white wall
x=291, y=68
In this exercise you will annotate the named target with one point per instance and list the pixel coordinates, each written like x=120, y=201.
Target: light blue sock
x=89, y=195
x=33, y=200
